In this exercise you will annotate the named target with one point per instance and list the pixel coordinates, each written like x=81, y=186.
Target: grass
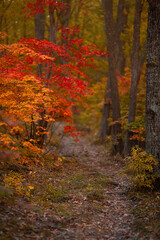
x=67, y=189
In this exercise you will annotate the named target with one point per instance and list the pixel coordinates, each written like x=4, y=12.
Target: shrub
x=141, y=166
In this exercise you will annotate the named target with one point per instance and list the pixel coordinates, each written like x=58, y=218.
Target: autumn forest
x=79, y=119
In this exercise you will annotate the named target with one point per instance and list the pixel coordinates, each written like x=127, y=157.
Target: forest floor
x=85, y=195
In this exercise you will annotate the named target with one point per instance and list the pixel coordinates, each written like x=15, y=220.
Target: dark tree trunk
x=24, y=27
x=39, y=20
x=64, y=19
x=119, y=28
x=121, y=24
x=104, y=129
x=52, y=35
x=65, y=16
x=116, y=115
x=53, y=27
x=141, y=62
x=39, y=25
x=1, y=21
x=134, y=75
x=153, y=81
x=6, y=29
x=41, y=124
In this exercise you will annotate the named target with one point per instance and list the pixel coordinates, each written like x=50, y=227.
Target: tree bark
x=4, y=8
x=104, y=129
x=39, y=20
x=119, y=27
x=116, y=115
x=41, y=124
x=134, y=75
x=53, y=27
x=121, y=24
x=65, y=16
x=39, y=25
x=153, y=81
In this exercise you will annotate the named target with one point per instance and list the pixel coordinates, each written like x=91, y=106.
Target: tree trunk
x=39, y=19
x=65, y=16
x=121, y=22
x=153, y=81
x=41, y=124
x=116, y=115
x=134, y=75
x=104, y=129
x=53, y=27
x=3, y=9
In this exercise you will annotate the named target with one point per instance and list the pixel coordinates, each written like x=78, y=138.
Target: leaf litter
x=84, y=198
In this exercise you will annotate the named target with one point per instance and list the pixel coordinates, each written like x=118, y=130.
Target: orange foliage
x=29, y=101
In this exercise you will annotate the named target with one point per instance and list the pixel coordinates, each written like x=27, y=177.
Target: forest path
x=85, y=200
x=114, y=220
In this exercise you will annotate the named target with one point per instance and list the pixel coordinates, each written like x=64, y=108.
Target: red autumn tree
x=26, y=97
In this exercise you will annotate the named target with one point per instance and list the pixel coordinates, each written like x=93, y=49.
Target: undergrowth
x=146, y=212
x=60, y=184
x=140, y=167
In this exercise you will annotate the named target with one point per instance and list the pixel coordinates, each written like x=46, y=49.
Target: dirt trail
x=115, y=221
x=97, y=217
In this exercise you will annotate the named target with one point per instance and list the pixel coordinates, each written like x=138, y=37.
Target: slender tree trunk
x=6, y=29
x=141, y=62
x=53, y=27
x=116, y=115
x=104, y=129
x=24, y=33
x=41, y=124
x=134, y=74
x=153, y=81
x=1, y=21
x=39, y=25
x=65, y=17
x=39, y=20
x=24, y=27
x=119, y=27
x=52, y=36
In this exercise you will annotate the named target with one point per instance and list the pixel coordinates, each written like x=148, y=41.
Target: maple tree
x=26, y=95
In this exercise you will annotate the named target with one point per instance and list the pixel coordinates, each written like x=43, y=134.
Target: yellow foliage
x=141, y=166
x=14, y=180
